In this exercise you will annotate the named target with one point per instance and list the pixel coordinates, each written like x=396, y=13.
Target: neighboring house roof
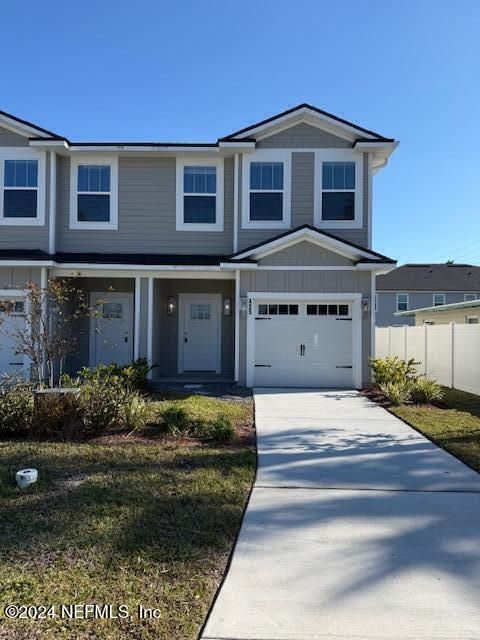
x=308, y=232
x=431, y=277
x=470, y=304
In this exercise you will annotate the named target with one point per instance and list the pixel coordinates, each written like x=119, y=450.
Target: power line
x=465, y=246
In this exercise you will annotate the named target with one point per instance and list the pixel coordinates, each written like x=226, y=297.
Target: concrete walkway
x=357, y=528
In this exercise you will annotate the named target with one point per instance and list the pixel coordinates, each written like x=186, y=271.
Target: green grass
x=149, y=524
x=454, y=427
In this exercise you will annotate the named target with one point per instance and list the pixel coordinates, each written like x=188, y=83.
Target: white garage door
x=303, y=344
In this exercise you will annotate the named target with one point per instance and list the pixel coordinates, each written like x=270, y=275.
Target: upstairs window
x=266, y=191
x=200, y=195
x=468, y=297
x=338, y=191
x=402, y=301
x=22, y=187
x=438, y=299
x=94, y=194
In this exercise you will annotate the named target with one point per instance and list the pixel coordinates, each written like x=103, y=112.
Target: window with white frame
x=468, y=297
x=94, y=193
x=472, y=320
x=338, y=191
x=438, y=299
x=402, y=301
x=22, y=187
x=266, y=189
x=200, y=194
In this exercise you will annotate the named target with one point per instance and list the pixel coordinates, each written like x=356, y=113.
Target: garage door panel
x=303, y=350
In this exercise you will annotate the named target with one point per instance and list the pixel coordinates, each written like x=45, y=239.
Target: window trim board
x=408, y=301
x=17, y=153
x=267, y=155
x=74, y=223
x=219, y=224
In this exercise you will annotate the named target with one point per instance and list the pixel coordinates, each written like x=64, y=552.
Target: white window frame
x=408, y=301
x=267, y=155
x=338, y=155
x=112, y=162
x=469, y=297
x=218, y=225
x=469, y=318
x=15, y=153
x=434, y=304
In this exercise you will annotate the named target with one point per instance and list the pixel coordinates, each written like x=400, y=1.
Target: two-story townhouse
x=247, y=259
x=419, y=286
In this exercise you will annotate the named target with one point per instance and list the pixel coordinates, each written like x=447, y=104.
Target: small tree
x=52, y=327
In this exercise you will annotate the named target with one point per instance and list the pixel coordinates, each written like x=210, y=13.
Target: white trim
x=465, y=299
x=137, y=317
x=402, y=293
x=237, y=325
x=25, y=153
x=369, y=201
x=468, y=318
x=112, y=161
x=182, y=297
x=438, y=293
x=236, y=167
x=338, y=155
x=354, y=298
x=218, y=225
x=145, y=272
x=52, y=220
x=267, y=155
x=23, y=129
x=373, y=313
x=150, y=325
x=310, y=116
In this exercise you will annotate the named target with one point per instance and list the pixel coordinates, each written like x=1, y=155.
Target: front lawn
x=454, y=424
x=132, y=523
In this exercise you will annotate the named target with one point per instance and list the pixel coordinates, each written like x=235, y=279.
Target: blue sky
x=194, y=71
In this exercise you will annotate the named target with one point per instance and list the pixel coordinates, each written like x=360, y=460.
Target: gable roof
x=315, y=111
x=431, y=277
x=320, y=237
x=29, y=128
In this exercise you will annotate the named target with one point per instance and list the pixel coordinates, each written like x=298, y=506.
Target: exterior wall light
x=227, y=306
x=243, y=304
x=366, y=305
x=171, y=305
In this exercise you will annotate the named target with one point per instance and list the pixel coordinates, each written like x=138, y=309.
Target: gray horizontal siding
x=11, y=139
x=302, y=204
x=387, y=305
x=303, y=136
x=18, y=277
x=146, y=201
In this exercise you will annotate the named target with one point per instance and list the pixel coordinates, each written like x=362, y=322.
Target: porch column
x=43, y=314
x=150, y=325
x=136, y=329
x=237, y=325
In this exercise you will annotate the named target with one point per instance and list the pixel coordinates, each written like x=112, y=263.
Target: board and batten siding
x=305, y=253
x=308, y=282
x=302, y=203
x=146, y=213
x=303, y=136
x=18, y=277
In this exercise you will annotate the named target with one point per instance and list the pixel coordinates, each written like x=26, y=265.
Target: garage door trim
x=355, y=299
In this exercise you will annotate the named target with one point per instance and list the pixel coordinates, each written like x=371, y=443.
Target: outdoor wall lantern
x=243, y=304
x=365, y=305
x=227, y=306
x=171, y=305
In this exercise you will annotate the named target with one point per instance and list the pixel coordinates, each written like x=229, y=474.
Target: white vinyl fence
x=448, y=353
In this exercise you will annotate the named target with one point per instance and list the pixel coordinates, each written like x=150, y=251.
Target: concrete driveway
x=357, y=528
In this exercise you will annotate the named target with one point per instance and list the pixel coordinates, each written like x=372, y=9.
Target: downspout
x=237, y=325
x=52, y=219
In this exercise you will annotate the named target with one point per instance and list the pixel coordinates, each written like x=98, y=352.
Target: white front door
x=12, y=326
x=199, y=347
x=111, y=332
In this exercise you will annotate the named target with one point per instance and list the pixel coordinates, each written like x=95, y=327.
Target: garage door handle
x=344, y=366
x=263, y=365
x=302, y=349
x=344, y=319
x=262, y=318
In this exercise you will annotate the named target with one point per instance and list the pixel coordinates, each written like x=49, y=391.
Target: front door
x=111, y=332
x=199, y=332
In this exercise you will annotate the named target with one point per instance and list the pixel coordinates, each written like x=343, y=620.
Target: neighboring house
x=414, y=286
x=245, y=259
x=460, y=312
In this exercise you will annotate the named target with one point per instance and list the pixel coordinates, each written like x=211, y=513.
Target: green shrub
x=133, y=376
x=136, y=412
x=16, y=409
x=393, y=370
x=56, y=416
x=176, y=420
x=102, y=401
x=222, y=429
x=396, y=392
x=424, y=390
